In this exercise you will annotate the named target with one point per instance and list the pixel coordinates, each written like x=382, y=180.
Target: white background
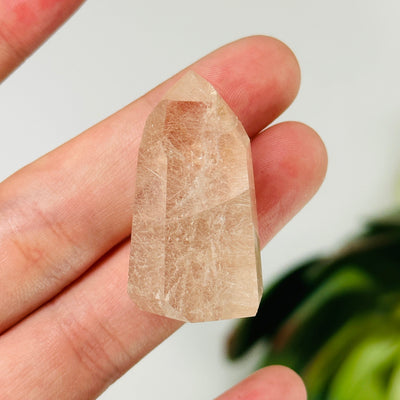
x=111, y=52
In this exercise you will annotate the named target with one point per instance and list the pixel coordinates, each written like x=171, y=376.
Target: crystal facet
x=194, y=245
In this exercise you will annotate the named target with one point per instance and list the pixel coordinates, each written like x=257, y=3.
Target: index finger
x=25, y=24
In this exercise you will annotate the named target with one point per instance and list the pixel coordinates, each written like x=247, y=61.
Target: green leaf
x=394, y=384
x=362, y=376
x=378, y=256
x=336, y=320
x=276, y=305
x=347, y=292
x=329, y=358
x=388, y=224
x=307, y=336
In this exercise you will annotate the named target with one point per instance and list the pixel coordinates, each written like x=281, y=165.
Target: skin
x=67, y=327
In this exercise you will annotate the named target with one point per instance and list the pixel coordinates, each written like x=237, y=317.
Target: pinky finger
x=270, y=383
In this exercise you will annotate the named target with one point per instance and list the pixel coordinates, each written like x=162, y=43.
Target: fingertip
x=268, y=73
x=267, y=51
x=269, y=383
x=275, y=71
x=312, y=156
x=286, y=382
x=258, y=76
x=288, y=76
x=290, y=162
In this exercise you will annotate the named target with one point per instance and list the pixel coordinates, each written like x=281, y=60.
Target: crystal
x=194, y=245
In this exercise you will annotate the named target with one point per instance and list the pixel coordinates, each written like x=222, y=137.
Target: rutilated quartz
x=194, y=246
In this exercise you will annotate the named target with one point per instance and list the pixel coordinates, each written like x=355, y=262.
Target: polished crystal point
x=194, y=246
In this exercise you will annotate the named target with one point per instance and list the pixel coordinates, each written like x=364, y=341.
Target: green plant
x=336, y=320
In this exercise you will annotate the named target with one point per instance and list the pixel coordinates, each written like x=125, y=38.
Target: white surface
x=113, y=51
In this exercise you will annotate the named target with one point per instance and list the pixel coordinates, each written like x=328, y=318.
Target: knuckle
x=91, y=342
x=32, y=237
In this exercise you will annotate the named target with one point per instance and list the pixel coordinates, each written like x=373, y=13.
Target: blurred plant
x=336, y=320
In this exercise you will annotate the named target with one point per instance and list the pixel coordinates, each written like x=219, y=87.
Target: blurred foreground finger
x=270, y=383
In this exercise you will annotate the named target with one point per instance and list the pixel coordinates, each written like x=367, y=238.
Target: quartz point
x=194, y=245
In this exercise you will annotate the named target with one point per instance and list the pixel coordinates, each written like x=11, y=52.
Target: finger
x=25, y=24
x=271, y=383
x=89, y=336
x=95, y=330
x=63, y=212
x=290, y=162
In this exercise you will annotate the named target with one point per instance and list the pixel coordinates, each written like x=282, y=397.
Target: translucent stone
x=194, y=249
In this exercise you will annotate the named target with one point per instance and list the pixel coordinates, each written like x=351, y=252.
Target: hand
x=67, y=326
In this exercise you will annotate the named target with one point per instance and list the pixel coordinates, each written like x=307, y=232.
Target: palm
x=65, y=317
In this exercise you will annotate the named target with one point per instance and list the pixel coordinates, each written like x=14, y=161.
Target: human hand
x=67, y=326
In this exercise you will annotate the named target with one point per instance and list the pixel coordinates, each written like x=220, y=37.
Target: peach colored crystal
x=194, y=251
